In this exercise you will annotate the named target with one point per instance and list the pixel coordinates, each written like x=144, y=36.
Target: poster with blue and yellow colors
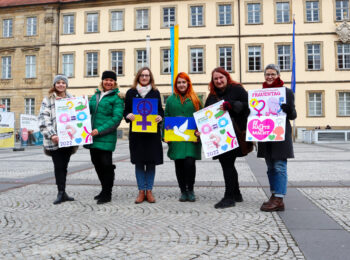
x=145, y=111
x=7, y=128
x=180, y=129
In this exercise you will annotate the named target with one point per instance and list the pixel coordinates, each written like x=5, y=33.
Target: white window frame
x=312, y=13
x=7, y=103
x=32, y=26
x=140, y=59
x=345, y=56
x=196, y=58
x=6, y=71
x=7, y=28
x=284, y=58
x=256, y=56
x=91, y=64
x=142, y=21
x=117, y=61
x=29, y=106
x=254, y=16
x=315, y=104
x=343, y=103
x=117, y=20
x=30, y=66
x=68, y=64
x=165, y=61
x=223, y=59
x=199, y=12
x=68, y=21
x=169, y=19
x=315, y=55
x=282, y=12
x=92, y=22
x=226, y=14
x=340, y=10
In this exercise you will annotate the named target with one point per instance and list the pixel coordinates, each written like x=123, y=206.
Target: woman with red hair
x=184, y=102
x=235, y=97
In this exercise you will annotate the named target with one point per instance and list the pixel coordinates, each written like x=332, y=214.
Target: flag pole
x=293, y=81
x=174, y=53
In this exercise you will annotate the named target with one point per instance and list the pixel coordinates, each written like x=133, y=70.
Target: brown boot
x=150, y=197
x=276, y=204
x=266, y=202
x=141, y=197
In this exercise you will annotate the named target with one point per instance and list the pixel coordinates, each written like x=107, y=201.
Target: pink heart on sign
x=260, y=107
x=261, y=129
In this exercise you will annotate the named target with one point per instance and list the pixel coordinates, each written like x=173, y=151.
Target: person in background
x=222, y=87
x=146, y=149
x=184, y=102
x=48, y=128
x=277, y=153
x=106, y=108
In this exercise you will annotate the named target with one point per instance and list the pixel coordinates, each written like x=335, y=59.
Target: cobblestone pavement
x=31, y=227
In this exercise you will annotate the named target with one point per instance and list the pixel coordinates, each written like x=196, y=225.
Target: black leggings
x=60, y=159
x=227, y=161
x=185, y=173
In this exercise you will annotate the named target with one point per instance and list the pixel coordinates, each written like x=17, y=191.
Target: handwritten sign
x=73, y=121
x=217, y=133
x=180, y=129
x=7, y=128
x=145, y=111
x=267, y=121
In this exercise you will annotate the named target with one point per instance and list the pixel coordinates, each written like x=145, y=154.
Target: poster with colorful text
x=180, y=129
x=30, y=134
x=145, y=111
x=215, y=126
x=267, y=121
x=7, y=129
x=73, y=121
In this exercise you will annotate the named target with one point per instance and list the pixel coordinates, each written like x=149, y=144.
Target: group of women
x=108, y=108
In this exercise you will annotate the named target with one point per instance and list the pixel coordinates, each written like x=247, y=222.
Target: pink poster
x=267, y=121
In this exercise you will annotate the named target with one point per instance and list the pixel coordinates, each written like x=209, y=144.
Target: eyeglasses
x=271, y=75
x=144, y=76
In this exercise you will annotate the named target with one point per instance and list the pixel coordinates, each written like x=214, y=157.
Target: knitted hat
x=60, y=77
x=109, y=74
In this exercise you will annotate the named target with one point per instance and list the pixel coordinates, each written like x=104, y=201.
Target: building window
x=168, y=16
x=91, y=64
x=225, y=14
x=142, y=19
x=225, y=58
x=313, y=56
x=282, y=12
x=283, y=57
x=341, y=10
x=197, y=16
x=315, y=104
x=68, y=65
x=197, y=60
x=30, y=106
x=31, y=26
x=7, y=28
x=312, y=11
x=343, y=56
x=30, y=66
x=254, y=58
x=7, y=103
x=68, y=24
x=117, y=20
x=254, y=13
x=6, y=67
x=141, y=59
x=117, y=62
x=343, y=103
x=92, y=23
x=166, y=62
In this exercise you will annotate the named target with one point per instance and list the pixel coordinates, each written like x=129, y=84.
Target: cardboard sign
x=180, y=129
x=145, y=111
x=267, y=121
x=217, y=133
x=73, y=121
x=7, y=129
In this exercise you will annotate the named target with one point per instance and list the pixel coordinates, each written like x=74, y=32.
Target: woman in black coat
x=222, y=87
x=146, y=149
x=277, y=153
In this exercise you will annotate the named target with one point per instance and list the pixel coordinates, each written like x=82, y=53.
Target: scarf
x=143, y=90
x=276, y=84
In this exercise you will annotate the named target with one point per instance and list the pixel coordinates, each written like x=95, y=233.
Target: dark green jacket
x=181, y=150
x=105, y=118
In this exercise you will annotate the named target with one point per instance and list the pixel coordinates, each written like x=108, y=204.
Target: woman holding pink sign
x=235, y=97
x=48, y=128
x=277, y=153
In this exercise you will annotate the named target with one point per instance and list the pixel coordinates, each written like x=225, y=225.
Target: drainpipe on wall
x=58, y=38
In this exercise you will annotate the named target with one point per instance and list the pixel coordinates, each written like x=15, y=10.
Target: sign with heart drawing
x=267, y=121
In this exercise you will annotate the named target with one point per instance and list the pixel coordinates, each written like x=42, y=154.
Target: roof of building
x=9, y=3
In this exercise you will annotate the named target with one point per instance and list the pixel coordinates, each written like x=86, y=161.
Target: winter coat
x=47, y=121
x=181, y=150
x=239, y=110
x=145, y=148
x=105, y=117
x=281, y=150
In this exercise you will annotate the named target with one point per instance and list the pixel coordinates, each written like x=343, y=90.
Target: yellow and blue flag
x=180, y=129
x=145, y=111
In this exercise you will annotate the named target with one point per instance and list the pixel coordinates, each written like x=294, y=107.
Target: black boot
x=225, y=203
x=107, y=186
x=98, y=196
x=237, y=195
x=67, y=198
x=60, y=198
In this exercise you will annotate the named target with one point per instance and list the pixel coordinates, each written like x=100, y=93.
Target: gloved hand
x=286, y=108
x=226, y=106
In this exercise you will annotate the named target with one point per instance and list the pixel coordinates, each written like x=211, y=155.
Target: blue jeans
x=277, y=173
x=145, y=176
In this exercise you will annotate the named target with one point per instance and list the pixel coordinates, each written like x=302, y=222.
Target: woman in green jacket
x=106, y=109
x=184, y=102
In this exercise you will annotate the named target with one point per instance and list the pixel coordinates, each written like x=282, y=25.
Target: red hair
x=226, y=74
x=189, y=92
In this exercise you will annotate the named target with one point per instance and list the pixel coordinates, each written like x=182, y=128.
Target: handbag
x=246, y=146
